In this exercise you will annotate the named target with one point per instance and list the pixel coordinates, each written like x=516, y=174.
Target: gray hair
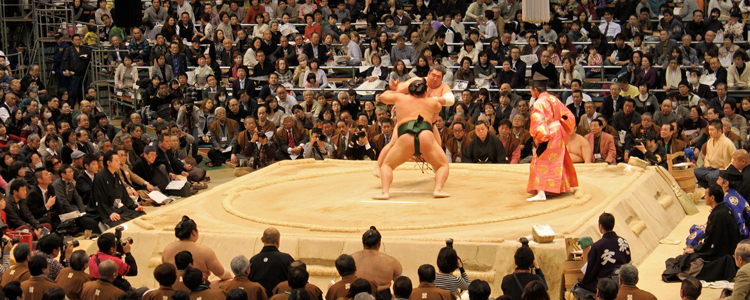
x=379, y=108
x=364, y=296
x=628, y=274
x=342, y=94
x=239, y=265
x=286, y=116
x=125, y=136
x=216, y=111
x=34, y=137
x=743, y=250
x=460, y=114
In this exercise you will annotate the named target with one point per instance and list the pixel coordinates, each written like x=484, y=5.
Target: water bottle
x=64, y=28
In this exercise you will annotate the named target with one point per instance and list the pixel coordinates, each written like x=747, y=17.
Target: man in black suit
x=612, y=103
x=285, y=51
x=266, y=44
x=176, y=59
x=17, y=213
x=717, y=103
x=270, y=88
x=702, y=90
x=315, y=49
x=243, y=83
x=717, y=70
x=33, y=76
x=439, y=47
x=85, y=181
x=117, y=52
x=166, y=162
x=518, y=65
x=41, y=198
x=75, y=62
x=544, y=67
x=213, y=88
x=577, y=106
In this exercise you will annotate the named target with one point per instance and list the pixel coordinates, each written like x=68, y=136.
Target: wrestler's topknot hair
x=418, y=87
x=371, y=238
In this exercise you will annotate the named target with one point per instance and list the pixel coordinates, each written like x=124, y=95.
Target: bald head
x=271, y=237
x=108, y=269
x=740, y=159
x=344, y=39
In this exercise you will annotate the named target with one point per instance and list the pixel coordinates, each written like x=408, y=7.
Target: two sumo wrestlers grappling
x=418, y=102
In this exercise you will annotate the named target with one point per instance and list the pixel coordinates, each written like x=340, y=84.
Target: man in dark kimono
x=716, y=247
x=605, y=257
x=114, y=203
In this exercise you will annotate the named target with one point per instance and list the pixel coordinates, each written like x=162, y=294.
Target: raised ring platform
x=322, y=208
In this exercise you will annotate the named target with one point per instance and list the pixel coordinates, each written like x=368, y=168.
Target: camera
x=322, y=138
x=449, y=243
x=73, y=243
x=12, y=241
x=120, y=241
x=189, y=107
x=524, y=242
x=638, y=141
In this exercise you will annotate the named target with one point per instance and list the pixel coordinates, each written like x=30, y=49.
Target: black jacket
x=18, y=214
x=182, y=61
x=172, y=163
x=249, y=88
x=36, y=202
x=722, y=234
x=84, y=186
x=271, y=268
x=608, y=107
x=76, y=61
x=322, y=49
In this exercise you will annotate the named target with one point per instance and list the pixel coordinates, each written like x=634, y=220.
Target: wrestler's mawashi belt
x=415, y=127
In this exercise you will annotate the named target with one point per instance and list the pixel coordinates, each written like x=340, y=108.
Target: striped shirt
x=452, y=283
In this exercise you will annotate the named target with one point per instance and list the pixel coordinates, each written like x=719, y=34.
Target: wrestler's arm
x=389, y=97
x=215, y=266
x=587, y=152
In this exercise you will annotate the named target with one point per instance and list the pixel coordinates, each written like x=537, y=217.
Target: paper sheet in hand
x=175, y=185
x=227, y=149
x=683, y=165
x=159, y=197
x=70, y=216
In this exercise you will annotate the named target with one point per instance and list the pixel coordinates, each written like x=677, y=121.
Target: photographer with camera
x=447, y=262
x=648, y=149
x=360, y=146
x=111, y=247
x=318, y=148
x=260, y=150
x=527, y=270
x=50, y=246
x=244, y=139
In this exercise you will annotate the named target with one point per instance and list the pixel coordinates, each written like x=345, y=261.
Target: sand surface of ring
x=334, y=197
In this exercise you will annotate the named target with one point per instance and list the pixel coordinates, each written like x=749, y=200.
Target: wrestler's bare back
x=204, y=258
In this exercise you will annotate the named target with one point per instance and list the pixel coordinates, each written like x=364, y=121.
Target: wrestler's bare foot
x=376, y=172
x=440, y=194
x=381, y=196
